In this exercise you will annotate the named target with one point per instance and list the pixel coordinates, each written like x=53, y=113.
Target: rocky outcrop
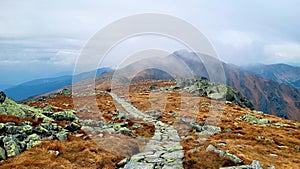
x=212, y=90
x=17, y=137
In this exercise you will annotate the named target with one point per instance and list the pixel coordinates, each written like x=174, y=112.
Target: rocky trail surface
x=162, y=151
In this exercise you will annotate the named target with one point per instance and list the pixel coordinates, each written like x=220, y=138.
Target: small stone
x=256, y=164
x=203, y=139
x=273, y=155
x=123, y=162
x=222, y=144
x=56, y=153
x=227, y=131
x=62, y=135
x=210, y=148
x=297, y=148
x=234, y=158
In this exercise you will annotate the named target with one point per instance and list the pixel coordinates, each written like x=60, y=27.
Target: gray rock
x=62, y=135
x=234, y=158
x=87, y=128
x=254, y=165
x=214, y=149
x=12, y=129
x=125, y=131
x=2, y=154
x=138, y=165
x=210, y=148
x=56, y=153
x=10, y=124
x=73, y=127
x=32, y=140
x=227, y=131
x=41, y=130
x=173, y=155
x=11, y=146
x=123, y=162
x=65, y=115
x=2, y=97
x=2, y=127
x=26, y=129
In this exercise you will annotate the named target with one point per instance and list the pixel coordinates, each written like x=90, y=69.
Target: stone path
x=163, y=151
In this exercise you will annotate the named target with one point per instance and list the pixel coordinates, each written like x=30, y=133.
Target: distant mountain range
x=5, y=86
x=281, y=73
x=45, y=85
x=270, y=96
x=273, y=89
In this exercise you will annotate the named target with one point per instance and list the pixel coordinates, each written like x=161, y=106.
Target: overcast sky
x=41, y=38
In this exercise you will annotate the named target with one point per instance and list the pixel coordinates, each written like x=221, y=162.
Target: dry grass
x=73, y=153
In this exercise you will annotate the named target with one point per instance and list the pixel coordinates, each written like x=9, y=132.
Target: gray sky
x=40, y=38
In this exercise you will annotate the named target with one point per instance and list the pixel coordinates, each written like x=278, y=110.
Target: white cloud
x=65, y=57
x=283, y=52
x=237, y=39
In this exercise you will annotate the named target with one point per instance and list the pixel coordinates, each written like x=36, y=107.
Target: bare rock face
x=2, y=97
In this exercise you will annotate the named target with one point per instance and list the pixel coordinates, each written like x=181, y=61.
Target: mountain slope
x=281, y=73
x=266, y=95
x=45, y=85
x=5, y=86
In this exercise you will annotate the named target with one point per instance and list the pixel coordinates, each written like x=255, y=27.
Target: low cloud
x=288, y=52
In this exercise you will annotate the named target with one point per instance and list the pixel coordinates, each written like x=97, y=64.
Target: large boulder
x=11, y=146
x=2, y=96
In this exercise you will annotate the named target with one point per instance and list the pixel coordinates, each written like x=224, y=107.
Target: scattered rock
x=254, y=120
x=65, y=115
